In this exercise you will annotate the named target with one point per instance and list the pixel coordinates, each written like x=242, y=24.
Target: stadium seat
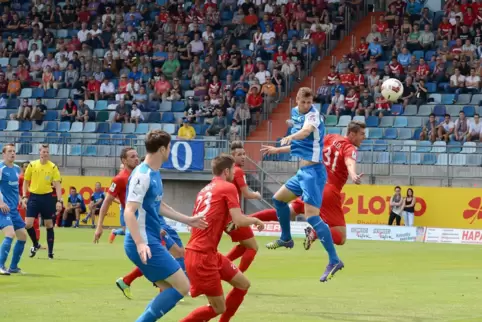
x=458, y=159
x=52, y=138
x=390, y=134
x=474, y=160
x=469, y=110
x=372, y=121
x=24, y=148
x=383, y=158
x=51, y=93
x=25, y=126
x=128, y=128
x=431, y=87
x=404, y=134
x=154, y=117
x=167, y=117
x=375, y=133
x=414, y=121
x=3, y=114
x=89, y=151
x=410, y=110
x=436, y=98
x=63, y=93
x=397, y=109
x=429, y=159
x=111, y=117
x=25, y=137
x=442, y=159
x=439, y=110
x=64, y=127
x=399, y=158
x=476, y=99
x=448, y=98
x=13, y=103
x=380, y=145
x=51, y=116
x=155, y=126
x=51, y=104
x=424, y=110
x=38, y=127
x=76, y=127
x=416, y=134
x=453, y=110
x=454, y=147
x=165, y=106
x=104, y=139
x=387, y=121
x=89, y=138
x=12, y=126
x=367, y=145
x=74, y=150
x=153, y=106
x=400, y=121
x=103, y=127
x=464, y=99
x=26, y=93
x=333, y=130
x=38, y=93
x=101, y=106
x=51, y=126
x=414, y=158
x=115, y=128
x=142, y=128
x=169, y=128
x=178, y=106
x=102, y=116
x=90, y=127
x=344, y=120
x=423, y=146
x=439, y=147
x=66, y=138
x=331, y=120
x=469, y=147
x=359, y=118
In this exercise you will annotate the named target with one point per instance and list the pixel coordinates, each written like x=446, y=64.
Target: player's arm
x=105, y=207
x=269, y=150
x=240, y=220
x=249, y=194
x=57, y=184
x=195, y=221
x=137, y=189
x=26, y=181
x=3, y=206
x=350, y=163
x=239, y=180
x=312, y=121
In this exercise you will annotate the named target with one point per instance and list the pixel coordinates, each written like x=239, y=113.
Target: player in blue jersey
x=96, y=200
x=143, y=238
x=11, y=223
x=306, y=143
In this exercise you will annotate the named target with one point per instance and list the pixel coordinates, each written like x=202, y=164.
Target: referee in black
x=39, y=178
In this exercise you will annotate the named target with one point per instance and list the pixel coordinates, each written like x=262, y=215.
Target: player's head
x=25, y=165
x=98, y=186
x=44, y=152
x=238, y=152
x=223, y=166
x=129, y=158
x=356, y=132
x=8, y=153
x=73, y=191
x=158, y=143
x=304, y=99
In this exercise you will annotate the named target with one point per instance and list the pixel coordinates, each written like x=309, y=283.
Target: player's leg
x=6, y=226
x=240, y=288
x=247, y=258
x=33, y=209
x=90, y=212
x=124, y=283
x=95, y=212
x=174, y=244
x=21, y=234
x=36, y=226
x=118, y=231
x=46, y=214
x=270, y=214
x=77, y=217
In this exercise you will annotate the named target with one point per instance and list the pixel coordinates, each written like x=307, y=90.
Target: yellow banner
x=85, y=187
x=435, y=206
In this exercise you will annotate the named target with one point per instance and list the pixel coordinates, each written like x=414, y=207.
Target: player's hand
x=98, y=233
x=259, y=224
x=163, y=233
x=268, y=150
x=257, y=195
x=144, y=252
x=24, y=203
x=285, y=141
x=4, y=208
x=198, y=222
x=356, y=178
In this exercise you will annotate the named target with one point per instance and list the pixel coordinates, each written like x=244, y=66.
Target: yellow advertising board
x=85, y=187
x=435, y=206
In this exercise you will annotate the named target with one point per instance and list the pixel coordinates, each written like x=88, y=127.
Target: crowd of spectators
x=231, y=57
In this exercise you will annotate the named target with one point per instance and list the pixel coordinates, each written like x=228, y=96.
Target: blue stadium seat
x=399, y=158
x=26, y=93
x=404, y=134
x=51, y=126
x=13, y=103
x=400, y=121
x=52, y=138
x=383, y=158
x=76, y=127
x=101, y=106
x=38, y=93
x=464, y=99
x=51, y=116
x=153, y=106
x=424, y=110
x=168, y=117
x=372, y=121
x=431, y=87
x=424, y=147
x=103, y=127
x=198, y=128
x=104, y=139
x=380, y=145
x=165, y=106
x=115, y=128
x=454, y=147
x=474, y=160
x=414, y=121
x=118, y=139
x=74, y=150
x=25, y=148
x=439, y=110
x=3, y=125
x=442, y=159
x=63, y=93
x=25, y=137
x=415, y=158
x=25, y=126
x=429, y=159
x=458, y=159
x=448, y=98
x=169, y=128
x=51, y=104
x=416, y=134
x=390, y=134
x=155, y=126
x=333, y=130
x=154, y=117
x=142, y=128
x=387, y=121
x=90, y=151
x=469, y=111
x=419, y=54
x=128, y=128
x=178, y=106
x=64, y=126
x=366, y=145
x=66, y=137
x=50, y=93
x=344, y=120
x=12, y=126
x=397, y=109
x=90, y=127
x=375, y=133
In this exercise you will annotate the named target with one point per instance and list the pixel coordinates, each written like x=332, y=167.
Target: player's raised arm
x=195, y=221
x=312, y=122
x=269, y=150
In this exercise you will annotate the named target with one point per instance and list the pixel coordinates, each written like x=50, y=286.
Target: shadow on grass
x=358, y=317
x=36, y=275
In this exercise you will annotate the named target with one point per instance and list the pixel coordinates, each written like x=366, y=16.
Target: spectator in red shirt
x=422, y=70
x=444, y=29
x=161, y=86
x=279, y=26
x=332, y=75
x=469, y=17
x=396, y=68
x=382, y=106
x=362, y=49
x=358, y=79
x=93, y=89
x=69, y=112
x=351, y=102
x=382, y=24
x=255, y=102
x=3, y=84
x=84, y=15
x=346, y=78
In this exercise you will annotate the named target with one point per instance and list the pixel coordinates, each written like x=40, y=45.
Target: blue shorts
x=309, y=183
x=172, y=237
x=13, y=218
x=159, y=267
x=121, y=218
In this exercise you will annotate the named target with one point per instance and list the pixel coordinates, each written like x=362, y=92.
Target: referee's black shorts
x=41, y=204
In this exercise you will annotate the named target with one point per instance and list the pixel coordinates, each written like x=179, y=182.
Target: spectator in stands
x=186, y=131
x=475, y=129
x=219, y=125
x=122, y=112
x=38, y=112
x=84, y=113
x=255, y=102
x=426, y=39
x=382, y=106
x=323, y=94
x=456, y=85
x=47, y=78
x=438, y=72
x=234, y=131
x=161, y=87
x=136, y=115
x=404, y=57
x=93, y=89
x=69, y=112
x=409, y=208
x=445, y=128
x=3, y=84
x=75, y=207
x=24, y=111
x=375, y=49
x=396, y=206
x=351, y=102
x=71, y=76
x=337, y=104
x=366, y=104
x=429, y=130
x=461, y=129
x=107, y=90
x=472, y=82
x=421, y=94
x=79, y=88
x=373, y=34
x=14, y=87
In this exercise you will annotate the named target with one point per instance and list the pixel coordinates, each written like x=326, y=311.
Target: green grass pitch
x=382, y=281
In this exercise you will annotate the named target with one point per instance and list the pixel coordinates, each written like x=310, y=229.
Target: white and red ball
x=392, y=89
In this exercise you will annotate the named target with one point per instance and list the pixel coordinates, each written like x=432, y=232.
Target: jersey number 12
x=329, y=158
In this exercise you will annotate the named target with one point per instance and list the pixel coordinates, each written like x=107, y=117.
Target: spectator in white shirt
x=268, y=35
x=456, y=85
x=469, y=49
x=197, y=46
x=35, y=52
x=263, y=73
x=208, y=33
x=129, y=34
x=82, y=33
x=461, y=128
x=446, y=128
x=475, y=129
x=472, y=82
x=337, y=103
x=136, y=115
x=107, y=89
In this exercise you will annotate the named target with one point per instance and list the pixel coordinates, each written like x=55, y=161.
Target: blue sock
x=17, y=253
x=5, y=250
x=63, y=223
x=180, y=260
x=283, y=213
x=87, y=217
x=161, y=304
x=324, y=235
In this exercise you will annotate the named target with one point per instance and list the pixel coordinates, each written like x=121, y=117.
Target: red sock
x=36, y=226
x=135, y=273
x=201, y=314
x=233, y=301
x=247, y=259
x=236, y=252
x=336, y=236
x=265, y=215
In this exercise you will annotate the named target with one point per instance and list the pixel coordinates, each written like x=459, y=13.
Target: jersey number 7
x=203, y=200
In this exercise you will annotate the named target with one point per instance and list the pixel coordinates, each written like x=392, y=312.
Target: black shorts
x=41, y=204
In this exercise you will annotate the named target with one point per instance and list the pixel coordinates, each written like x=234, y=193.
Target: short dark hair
x=477, y=114
x=124, y=151
x=156, y=139
x=236, y=145
x=355, y=126
x=397, y=187
x=221, y=163
x=447, y=114
x=432, y=114
x=462, y=112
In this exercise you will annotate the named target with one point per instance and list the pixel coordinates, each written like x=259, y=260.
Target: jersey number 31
x=330, y=158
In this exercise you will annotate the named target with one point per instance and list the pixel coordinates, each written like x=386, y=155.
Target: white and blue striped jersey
x=311, y=147
x=9, y=184
x=145, y=187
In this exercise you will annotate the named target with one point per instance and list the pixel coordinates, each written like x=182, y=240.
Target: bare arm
x=131, y=222
x=241, y=220
x=26, y=184
x=269, y=150
x=105, y=207
x=351, y=166
x=58, y=189
x=168, y=212
x=248, y=194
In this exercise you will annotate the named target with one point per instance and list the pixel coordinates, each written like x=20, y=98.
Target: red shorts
x=331, y=210
x=206, y=271
x=240, y=234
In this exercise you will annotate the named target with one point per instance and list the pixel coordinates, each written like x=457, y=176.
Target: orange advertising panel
x=435, y=206
x=85, y=187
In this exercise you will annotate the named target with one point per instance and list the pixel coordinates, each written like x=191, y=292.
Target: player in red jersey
x=205, y=266
x=339, y=156
x=247, y=247
x=130, y=160
x=22, y=210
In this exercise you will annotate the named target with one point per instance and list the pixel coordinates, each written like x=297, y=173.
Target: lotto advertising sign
x=85, y=187
x=434, y=207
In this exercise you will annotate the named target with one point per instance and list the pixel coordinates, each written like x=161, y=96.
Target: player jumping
x=339, y=157
x=143, y=239
x=306, y=143
x=247, y=247
x=11, y=223
x=206, y=267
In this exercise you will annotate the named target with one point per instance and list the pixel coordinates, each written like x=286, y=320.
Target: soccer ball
x=392, y=89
